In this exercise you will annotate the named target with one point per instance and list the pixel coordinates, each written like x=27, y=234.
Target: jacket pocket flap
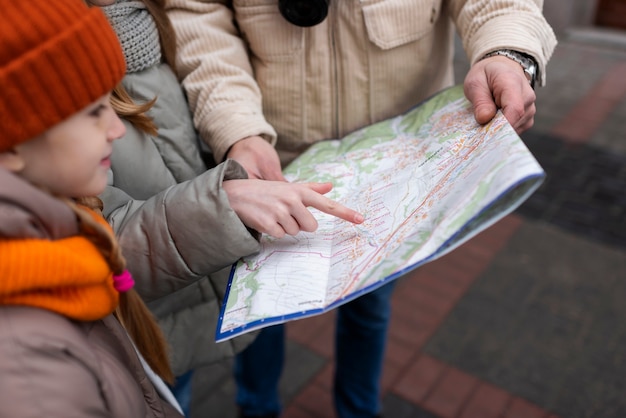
x=391, y=23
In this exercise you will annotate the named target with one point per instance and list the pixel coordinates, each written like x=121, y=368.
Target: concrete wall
x=567, y=14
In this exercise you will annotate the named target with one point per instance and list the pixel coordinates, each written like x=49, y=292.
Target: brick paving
x=526, y=319
x=584, y=191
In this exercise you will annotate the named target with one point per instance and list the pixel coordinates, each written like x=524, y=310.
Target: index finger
x=333, y=208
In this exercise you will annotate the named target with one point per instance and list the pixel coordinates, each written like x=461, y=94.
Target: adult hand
x=499, y=82
x=278, y=208
x=258, y=157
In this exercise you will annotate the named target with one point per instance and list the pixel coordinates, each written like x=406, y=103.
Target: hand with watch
x=528, y=63
x=493, y=84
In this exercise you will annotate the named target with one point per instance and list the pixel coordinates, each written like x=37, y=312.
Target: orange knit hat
x=56, y=57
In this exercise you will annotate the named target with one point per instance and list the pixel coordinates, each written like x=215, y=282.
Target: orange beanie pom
x=56, y=57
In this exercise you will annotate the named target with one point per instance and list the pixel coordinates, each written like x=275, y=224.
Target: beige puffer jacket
x=369, y=60
x=51, y=366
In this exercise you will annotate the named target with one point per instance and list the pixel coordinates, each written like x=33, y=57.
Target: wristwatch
x=527, y=62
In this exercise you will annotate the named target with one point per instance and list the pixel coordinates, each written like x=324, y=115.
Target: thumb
x=483, y=104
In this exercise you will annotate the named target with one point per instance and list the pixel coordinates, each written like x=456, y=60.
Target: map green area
x=426, y=182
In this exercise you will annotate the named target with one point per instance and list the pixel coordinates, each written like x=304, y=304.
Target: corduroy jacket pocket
x=391, y=23
x=269, y=36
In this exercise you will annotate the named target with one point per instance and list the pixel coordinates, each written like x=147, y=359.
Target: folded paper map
x=426, y=182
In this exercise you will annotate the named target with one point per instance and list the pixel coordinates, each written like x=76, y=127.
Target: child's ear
x=11, y=160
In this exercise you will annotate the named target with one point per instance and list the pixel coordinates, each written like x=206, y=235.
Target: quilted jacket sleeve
x=182, y=234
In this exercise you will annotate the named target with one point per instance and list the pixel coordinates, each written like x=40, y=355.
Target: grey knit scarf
x=137, y=33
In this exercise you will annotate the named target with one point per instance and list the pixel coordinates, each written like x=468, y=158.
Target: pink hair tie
x=123, y=282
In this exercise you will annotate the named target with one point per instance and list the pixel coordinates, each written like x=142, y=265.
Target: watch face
x=529, y=64
x=530, y=75
x=531, y=70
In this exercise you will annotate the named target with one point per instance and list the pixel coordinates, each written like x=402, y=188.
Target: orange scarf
x=68, y=276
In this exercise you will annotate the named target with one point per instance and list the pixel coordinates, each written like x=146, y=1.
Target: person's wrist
x=228, y=150
x=527, y=62
x=233, y=145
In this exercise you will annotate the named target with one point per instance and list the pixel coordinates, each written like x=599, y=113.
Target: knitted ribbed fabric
x=56, y=58
x=69, y=276
x=137, y=33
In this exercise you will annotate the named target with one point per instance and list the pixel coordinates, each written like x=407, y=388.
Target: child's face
x=72, y=158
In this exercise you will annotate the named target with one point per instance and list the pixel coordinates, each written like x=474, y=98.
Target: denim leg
x=360, y=345
x=257, y=372
x=182, y=391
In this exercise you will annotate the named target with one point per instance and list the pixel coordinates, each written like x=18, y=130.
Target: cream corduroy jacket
x=247, y=71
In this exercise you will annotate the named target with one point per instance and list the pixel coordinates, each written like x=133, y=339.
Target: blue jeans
x=182, y=391
x=257, y=372
x=360, y=345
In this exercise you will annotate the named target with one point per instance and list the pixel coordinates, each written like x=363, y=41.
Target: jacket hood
x=27, y=212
